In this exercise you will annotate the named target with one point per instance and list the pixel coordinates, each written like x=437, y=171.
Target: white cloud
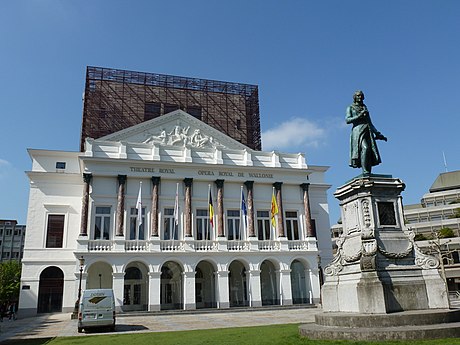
x=293, y=134
x=4, y=163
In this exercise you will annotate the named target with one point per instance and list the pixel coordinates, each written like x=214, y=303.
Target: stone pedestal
x=378, y=267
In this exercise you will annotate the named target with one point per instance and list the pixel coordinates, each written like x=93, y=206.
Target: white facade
x=238, y=261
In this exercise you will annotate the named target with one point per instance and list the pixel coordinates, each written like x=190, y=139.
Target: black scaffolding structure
x=117, y=99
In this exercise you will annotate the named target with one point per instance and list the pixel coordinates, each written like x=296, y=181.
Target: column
x=220, y=207
x=154, y=209
x=84, y=204
x=223, y=300
x=310, y=231
x=189, y=290
x=249, y=186
x=120, y=205
x=315, y=286
x=188, y=207
x=154, y=291
x=284, y=276
x=255, y=297
x=118, y=289
x=279, y=201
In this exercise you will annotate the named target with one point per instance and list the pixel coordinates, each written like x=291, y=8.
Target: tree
x=420, y=237
x=446, y=232
x=456, y=213
x=10, y=279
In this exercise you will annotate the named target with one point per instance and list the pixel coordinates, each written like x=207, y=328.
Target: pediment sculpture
x=182, y=136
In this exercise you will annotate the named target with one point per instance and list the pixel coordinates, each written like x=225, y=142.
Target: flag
x=139, y=205
x=244, y=210
x=211, y=210
x=176, y=206
x=273, y=210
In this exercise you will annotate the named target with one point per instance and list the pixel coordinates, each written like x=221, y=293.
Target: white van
x=97, y=309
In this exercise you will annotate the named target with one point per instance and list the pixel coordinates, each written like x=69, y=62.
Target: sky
x=307, y=57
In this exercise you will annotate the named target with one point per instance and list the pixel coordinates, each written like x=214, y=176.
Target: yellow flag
x=274, y=210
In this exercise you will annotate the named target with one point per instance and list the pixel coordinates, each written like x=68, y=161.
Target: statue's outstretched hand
x=380, y=136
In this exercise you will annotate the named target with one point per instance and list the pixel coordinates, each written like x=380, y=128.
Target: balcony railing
x=136, y=246
x=156, y=245
x=100, y=246
x=269, y=245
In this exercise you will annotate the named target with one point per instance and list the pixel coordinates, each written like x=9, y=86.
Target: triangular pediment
x=177, y=128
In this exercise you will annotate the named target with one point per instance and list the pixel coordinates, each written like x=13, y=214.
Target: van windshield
x=97, y=301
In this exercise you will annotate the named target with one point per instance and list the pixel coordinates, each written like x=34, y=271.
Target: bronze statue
x=363, y=147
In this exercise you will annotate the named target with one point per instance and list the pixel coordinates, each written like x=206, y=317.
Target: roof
x=446, y=181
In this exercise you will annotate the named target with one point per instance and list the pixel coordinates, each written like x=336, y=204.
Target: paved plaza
x=60, y=324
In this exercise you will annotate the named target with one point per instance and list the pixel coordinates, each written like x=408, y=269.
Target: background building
x=117, y=99
x=173, y=213
x=11, y=240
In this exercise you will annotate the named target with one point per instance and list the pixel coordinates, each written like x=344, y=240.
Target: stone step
x=405, y=318
x=445, y=330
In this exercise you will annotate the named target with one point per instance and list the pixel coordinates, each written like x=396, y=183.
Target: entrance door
x=50, y=290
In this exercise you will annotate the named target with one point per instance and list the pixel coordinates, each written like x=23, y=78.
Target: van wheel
x=80, y=329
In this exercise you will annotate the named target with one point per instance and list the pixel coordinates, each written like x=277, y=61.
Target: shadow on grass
x=35, y=341
x=119, y=328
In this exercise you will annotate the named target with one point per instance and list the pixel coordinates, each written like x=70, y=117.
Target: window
x=152, y=110
x=195, y=111
x=102, y=223
x=136, y=232
x=292, y=225
x=6, y=255
x=169, y=108
x=60, y=165
x=8, y=232
x=55, y=231
x=233, y=225
x=170, y=229
x=263, y=225
x=203, y=230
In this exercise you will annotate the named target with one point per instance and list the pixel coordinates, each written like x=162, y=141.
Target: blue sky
x=308, y=58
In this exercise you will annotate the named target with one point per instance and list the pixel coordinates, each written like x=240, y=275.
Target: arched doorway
x=268, y=285
x=299, y=284
x=50, y=290
x=99, y=276
x=205, y=295
x=237, y=285
x=171, y=286
x=135, y=287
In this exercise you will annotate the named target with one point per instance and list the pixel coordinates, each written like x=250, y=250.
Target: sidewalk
x=60, y=324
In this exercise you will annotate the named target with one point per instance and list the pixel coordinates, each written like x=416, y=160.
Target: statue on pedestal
x=363, y=147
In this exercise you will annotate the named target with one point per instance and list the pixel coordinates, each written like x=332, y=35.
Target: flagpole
x=139, y=210
x=209, y=211
x=176, y=213
x=241, y=215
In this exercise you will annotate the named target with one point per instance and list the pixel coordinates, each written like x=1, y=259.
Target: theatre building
x=172, y=213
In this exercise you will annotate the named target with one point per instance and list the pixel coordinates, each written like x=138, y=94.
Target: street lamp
x=81, y=260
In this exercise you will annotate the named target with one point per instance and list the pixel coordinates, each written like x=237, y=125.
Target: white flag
x=176, y=206
x=139, y=206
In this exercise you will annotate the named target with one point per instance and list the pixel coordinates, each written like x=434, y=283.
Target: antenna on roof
x=445, y=162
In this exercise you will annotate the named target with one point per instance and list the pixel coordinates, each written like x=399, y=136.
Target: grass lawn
x=279, y=334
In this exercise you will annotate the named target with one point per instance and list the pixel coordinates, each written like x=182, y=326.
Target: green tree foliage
x=456, y=213
x=10, y=278
x=446, y=232
x=420, y=237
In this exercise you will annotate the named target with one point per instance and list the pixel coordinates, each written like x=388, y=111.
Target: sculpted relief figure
x=363, y=147
x=179, y=136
